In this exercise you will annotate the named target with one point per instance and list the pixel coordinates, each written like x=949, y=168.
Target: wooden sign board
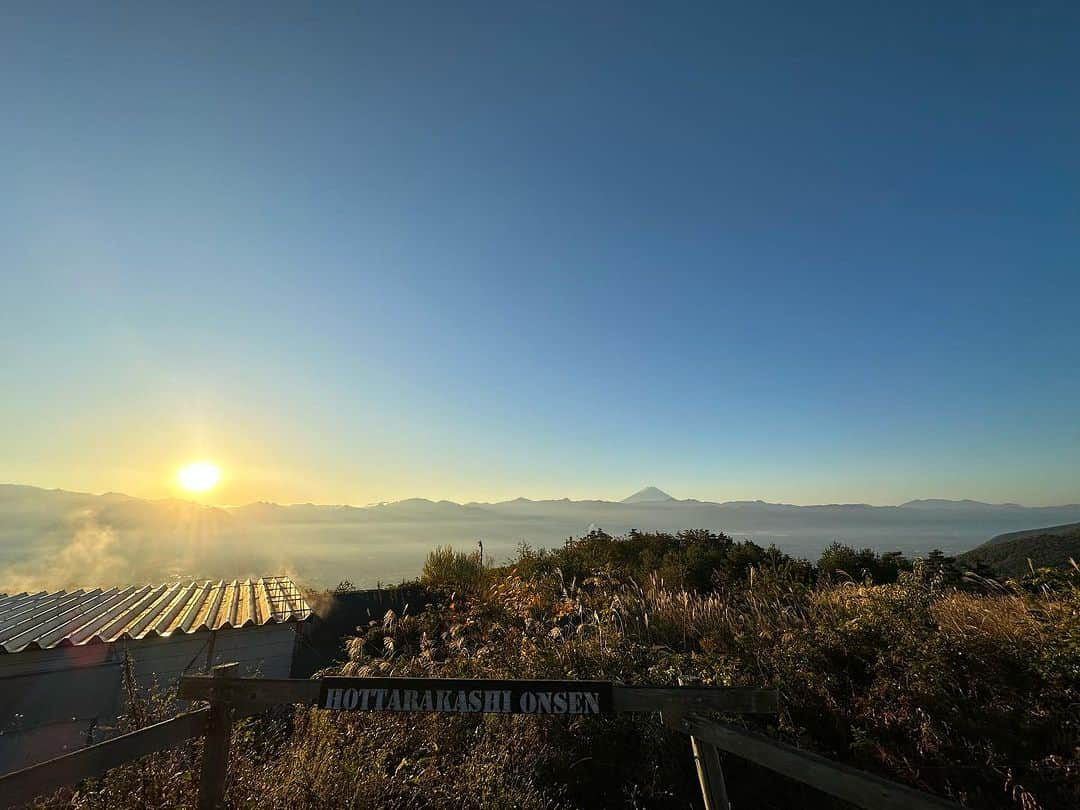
x=454, y=696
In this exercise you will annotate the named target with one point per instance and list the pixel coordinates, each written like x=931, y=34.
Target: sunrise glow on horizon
x=387, y=254
x=199, y=476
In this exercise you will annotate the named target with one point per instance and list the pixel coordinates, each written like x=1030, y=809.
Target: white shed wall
x=57, y=700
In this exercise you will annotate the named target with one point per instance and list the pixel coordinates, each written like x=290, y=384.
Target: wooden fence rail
x=850, y=784
x=21, y=786
x=255, y=693
x=230, y=697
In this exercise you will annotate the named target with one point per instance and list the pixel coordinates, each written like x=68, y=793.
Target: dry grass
x=972, y=697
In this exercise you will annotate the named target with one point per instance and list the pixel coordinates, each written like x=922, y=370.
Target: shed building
x=62, y=653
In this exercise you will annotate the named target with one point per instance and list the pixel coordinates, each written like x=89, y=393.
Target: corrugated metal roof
x=63, y=619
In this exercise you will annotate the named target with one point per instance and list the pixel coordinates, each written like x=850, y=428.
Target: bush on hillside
x=453, y=571
x=695, y=559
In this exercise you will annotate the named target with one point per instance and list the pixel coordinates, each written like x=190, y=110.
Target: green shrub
x=453, y=571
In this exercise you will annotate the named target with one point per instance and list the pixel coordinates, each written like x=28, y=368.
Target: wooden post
x=706, y=760
x=215, y=761
x=710, y=775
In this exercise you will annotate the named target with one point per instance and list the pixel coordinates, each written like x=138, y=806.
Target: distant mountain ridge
x=55, y=536
x=941, y=503
x=650, y=495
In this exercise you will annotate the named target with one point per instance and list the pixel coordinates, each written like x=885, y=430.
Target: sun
x=199, y=476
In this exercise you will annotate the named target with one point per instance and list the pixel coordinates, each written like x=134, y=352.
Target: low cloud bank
x=50, y=539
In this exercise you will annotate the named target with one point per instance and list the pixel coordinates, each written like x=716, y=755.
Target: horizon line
x=377, y=504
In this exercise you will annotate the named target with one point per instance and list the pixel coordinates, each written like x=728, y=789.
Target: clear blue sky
x=480, y=250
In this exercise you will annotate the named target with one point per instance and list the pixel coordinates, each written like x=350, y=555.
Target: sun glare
x=198, y=476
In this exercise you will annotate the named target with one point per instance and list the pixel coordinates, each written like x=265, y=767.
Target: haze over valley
x=58, y=539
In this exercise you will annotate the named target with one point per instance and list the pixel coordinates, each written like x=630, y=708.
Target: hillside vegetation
x=962, y=687
x=1064, y=529
x=1014, y=555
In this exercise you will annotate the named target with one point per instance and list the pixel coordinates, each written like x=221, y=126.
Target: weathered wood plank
x=466, y=695
x=736, y=699
x=847, y=783
x=250, y=691
x=19, y=787
x=270, y=692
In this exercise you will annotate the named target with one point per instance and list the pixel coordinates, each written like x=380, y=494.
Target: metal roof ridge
x=48, y=620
